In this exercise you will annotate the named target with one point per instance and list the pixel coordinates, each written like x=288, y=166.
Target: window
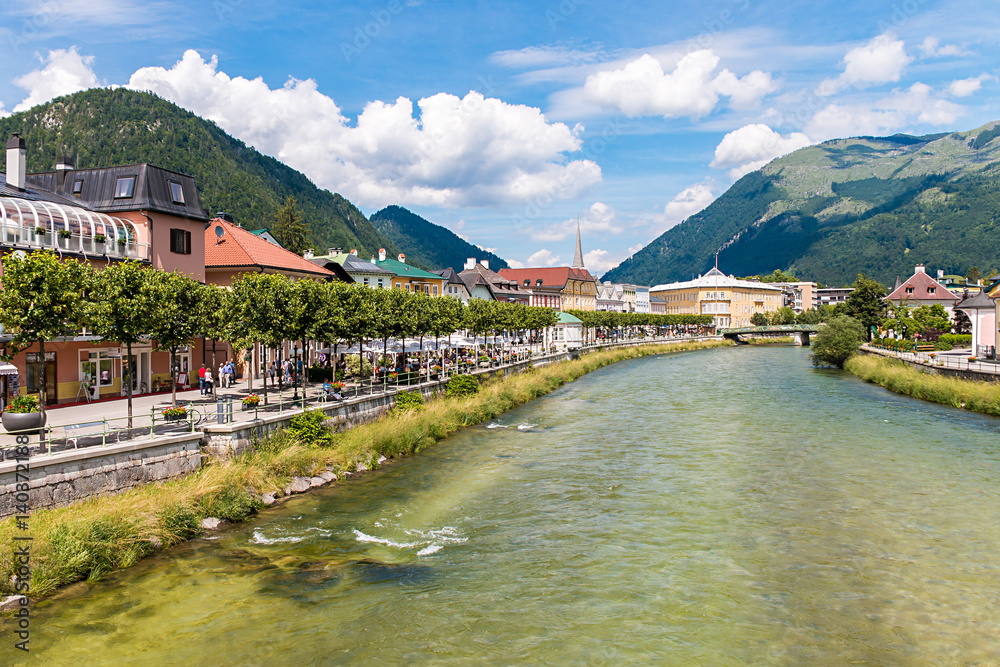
x=909, y=290
x=77, y=187
x=931, y=290
x=366, y=281
x=176, y=193
x=124, y=187
x=435, y=290
x=380, y=282
x=180, y=241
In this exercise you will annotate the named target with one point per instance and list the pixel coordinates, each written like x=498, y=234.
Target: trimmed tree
x=179, y=317
x=42, y=298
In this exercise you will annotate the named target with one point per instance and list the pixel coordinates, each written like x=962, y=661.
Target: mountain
x=875, y=205
x=103, y=127
x=426, y=243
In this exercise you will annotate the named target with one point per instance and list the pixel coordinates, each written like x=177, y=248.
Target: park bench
x=73, y=431
x=924, y=348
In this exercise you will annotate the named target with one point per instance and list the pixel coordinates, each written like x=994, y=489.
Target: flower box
x=175, y=414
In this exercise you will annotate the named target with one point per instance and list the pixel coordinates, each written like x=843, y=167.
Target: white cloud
x=599, y=262
x=688, y=201
x=752, y=146
x=879, y=61
x=542, y=258
x=64, y=72
x=642, y=88
x=543, y=56
x=966, y=87
x=598, y=219
x=42, y=13
x=931, y=48
x=456, y=152
x=917, y=104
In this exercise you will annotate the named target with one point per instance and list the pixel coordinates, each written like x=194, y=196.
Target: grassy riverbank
x=904, y=379
x=91, y=538
x=777, y=340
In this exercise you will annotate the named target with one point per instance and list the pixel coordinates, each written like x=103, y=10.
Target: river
x=720, y=507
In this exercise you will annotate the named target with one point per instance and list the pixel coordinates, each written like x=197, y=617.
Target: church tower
x=578, y=258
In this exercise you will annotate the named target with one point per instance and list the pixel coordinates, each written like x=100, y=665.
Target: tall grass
x=93, y=537
x=904, y=379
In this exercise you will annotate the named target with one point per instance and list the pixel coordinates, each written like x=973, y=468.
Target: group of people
x=224, y=377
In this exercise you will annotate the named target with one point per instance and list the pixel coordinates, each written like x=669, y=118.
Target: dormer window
x=176, y=193
x=124, y=187
x=931, y=290
x=77, y=187
x=909, y=290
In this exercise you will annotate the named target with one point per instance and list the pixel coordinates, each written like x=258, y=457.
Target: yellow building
x=732, y=301
x=410, y=278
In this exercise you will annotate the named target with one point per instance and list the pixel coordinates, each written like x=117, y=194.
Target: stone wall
x=76, y=474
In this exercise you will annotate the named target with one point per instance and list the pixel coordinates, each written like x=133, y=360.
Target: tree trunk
x=41, y=392
x=128, y=389
x=173, y=382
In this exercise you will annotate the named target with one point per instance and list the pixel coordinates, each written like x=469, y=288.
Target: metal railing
x=938, y=359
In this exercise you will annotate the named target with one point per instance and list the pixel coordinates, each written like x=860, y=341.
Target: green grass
x=93, y=537
x=904, y=379
x=777, y=340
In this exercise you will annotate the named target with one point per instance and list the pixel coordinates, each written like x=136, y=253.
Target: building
x=642, y=299
x=503, y=289
x=922, y=290
x=982, y=312
x=657, y=306
x=831, y=296
x=231, y=251
x=730, y=300
x=559, y=287
x=410, y=278
x=357, y=270
x=610, y=298
x=567, y=332
x=455, y=286
x=99, y=216
x=800, y=296
x=262, y=233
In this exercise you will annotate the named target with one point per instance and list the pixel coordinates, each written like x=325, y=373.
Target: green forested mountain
x=828, y=212
x=428, y=244
x=102, y=127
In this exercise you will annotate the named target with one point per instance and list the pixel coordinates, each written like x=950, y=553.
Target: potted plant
x=40, y=231
x=23, y=416
x=251, y=401
x=100, y=239
x=175, y=413
x=64, y=237
x=338, y=386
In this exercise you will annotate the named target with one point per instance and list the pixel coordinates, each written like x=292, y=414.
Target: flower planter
x=250, y=406
x=23, y=423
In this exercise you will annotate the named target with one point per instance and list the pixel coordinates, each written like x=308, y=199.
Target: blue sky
x=505, y=121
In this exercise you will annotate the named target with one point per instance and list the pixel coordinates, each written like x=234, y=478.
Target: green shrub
x=462, y=385
x=22, y=404
x=232, y=505
x=178, y=523
x=340, y=375
x=408, y=400
x=353, y=364
x=956, y=340
x=942, y=347
x=320, y=373
x=310, y=428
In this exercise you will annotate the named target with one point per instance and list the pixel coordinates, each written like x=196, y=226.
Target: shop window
x=33, y=372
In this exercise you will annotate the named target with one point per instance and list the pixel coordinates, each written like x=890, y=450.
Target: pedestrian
x=232, y=373
x=201, y=380
x=271, y=370
x=208, y=382
x=222, y=375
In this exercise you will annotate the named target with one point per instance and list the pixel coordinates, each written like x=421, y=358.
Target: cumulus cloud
x=966, y=87
x=931, y=48
x=752, y=146
x=917, y=104
x=543, y=56
x=543, y=258
x=455, y=151
x=688, y=201
x=598, y=219
x=879, y=61
x=599, y=262
x=63, y=71
x=643, y=88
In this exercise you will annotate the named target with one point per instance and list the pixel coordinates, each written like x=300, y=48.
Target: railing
x=75, y=243
x=939, y=360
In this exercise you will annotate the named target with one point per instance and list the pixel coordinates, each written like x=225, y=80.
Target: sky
x=509, y=122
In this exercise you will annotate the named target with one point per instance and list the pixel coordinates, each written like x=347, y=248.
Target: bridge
x=800, y=332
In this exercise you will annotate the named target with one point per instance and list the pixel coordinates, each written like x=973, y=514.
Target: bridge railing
x=773, y=328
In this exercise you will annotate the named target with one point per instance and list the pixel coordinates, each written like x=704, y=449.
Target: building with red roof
x=231, y=251
x=922, y=290
x=559, y=287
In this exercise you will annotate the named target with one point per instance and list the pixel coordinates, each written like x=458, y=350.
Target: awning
x=8, y=369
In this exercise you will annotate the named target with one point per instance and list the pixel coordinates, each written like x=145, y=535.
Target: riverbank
x=901, y=378
x=91, y=538
x=780, y=340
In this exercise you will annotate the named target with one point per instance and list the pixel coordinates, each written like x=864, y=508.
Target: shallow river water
x=722, y=507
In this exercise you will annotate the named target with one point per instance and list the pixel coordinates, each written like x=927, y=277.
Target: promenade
x=958, y=360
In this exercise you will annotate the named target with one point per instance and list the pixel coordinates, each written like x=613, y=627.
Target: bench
x=924, y=348
x=72, y=431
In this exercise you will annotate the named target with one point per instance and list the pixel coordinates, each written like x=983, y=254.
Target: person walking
x=208, y=383
x=201, y=380
x=222, y=375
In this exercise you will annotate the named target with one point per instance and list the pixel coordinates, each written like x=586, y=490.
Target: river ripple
x=723, y=507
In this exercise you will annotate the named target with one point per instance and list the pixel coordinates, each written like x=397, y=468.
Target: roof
x=471, y=278
x=498, y=284
x=451, y=276
x=352, y=264
x=552, y=276
x=36, y=194
x=404, y=270
x=921, y=283
x=977, y=301
x=237, y=247
x=566, y=318
x=715, y=278
x=151, y=190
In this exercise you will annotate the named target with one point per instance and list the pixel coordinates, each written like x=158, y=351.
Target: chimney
x=401, y=258
x=354, y=251
x=470, y=264
x=919, y=269
x=225, y=216
x=308, y=254
x=381, y=254
x=486, y=264
x=63, y=166
x=17, y=152
x=334, y=251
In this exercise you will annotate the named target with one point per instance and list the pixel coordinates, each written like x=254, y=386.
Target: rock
x=328, y=476
x=211, y=523
x=361, y=467
x=11, y=602
x=155, y=542
x=267, y=499
x=316, y=481
x=298, y=485
x=382, y=459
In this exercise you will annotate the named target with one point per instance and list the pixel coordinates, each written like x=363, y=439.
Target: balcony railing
x=76, y=243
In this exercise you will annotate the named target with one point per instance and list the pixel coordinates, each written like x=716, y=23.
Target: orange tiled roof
x=552, y=276
x=238, y=247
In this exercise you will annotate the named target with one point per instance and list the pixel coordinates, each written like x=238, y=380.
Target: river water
x=721, y=507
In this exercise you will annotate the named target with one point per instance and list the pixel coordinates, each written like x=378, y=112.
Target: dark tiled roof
x=977, y=301
x=36, y=194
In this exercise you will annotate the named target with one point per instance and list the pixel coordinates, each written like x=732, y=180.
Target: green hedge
x=956, y=340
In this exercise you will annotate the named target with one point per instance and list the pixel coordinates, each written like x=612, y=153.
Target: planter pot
x=64, y=243
x=175, y=418
x=250, y=406
x=99, y=247
x=23, y=423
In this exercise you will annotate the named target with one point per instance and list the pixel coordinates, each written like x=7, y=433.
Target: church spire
x=578, y=258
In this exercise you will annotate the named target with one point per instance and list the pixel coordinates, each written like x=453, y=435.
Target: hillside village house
x=610, y=298
x=922, y=290
x=456, y=287
x=99, y=216
x=730, y=300
x=231, y=251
